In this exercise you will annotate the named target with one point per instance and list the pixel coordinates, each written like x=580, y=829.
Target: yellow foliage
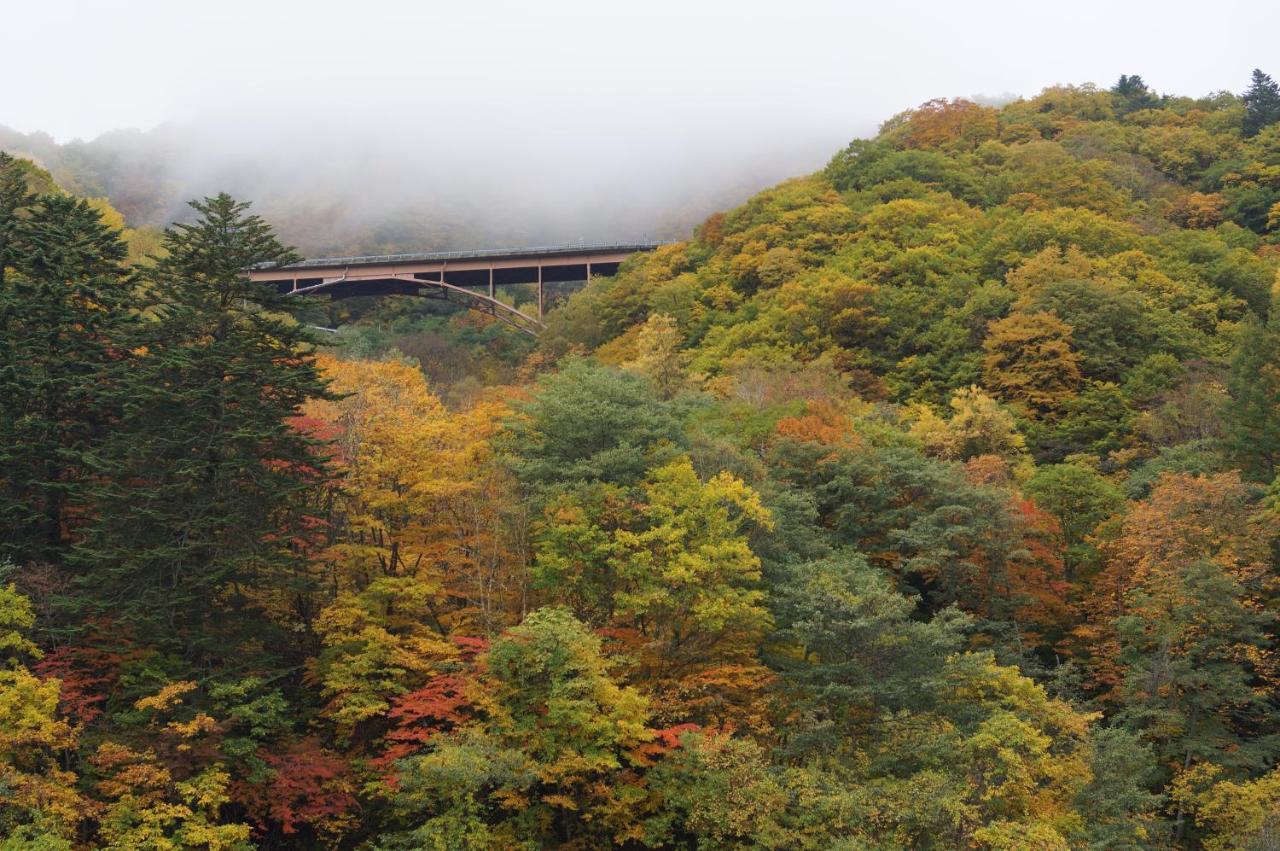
x=657, y=354
x=201, y=723
x=36, y=788
x=422, y=495
x=423, y=545
x=978, y=426
x=146, y=808
x=1030, y=361
x=168, y=697
x=16, y=617
x=1237, y=815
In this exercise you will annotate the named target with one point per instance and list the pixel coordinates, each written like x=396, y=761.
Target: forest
x=928, y=501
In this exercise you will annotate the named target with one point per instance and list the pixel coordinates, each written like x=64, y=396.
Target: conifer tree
x=14, y=197
x=1253, y=414
x=206, y=498
x=63, y=315
x=1261, y=103
x=1131, y=94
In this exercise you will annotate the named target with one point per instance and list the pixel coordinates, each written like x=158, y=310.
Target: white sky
x=76, y=68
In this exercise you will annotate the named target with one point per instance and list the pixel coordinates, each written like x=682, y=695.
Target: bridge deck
x=451, y=274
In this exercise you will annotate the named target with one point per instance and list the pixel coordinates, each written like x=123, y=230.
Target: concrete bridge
x=468, y=278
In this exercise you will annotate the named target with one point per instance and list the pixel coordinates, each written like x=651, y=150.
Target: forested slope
x=928, y=501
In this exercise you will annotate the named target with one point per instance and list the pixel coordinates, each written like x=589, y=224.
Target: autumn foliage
x=928, y=501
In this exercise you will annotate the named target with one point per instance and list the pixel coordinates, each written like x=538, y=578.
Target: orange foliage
x=988, y=470
x=1198, y=210
x=1038, y=578
x=940, y=123
x=1187, y=519
x=1192, y=518
x=821, y=423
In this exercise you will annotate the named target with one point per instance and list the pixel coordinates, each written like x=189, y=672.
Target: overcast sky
x=610, y=92
x=78, y=68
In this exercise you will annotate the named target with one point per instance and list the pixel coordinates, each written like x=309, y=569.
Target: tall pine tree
x=1261, y=103
x=208, y=486
x=64, y=313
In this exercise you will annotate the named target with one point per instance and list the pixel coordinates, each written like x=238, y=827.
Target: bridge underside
x=469, y=280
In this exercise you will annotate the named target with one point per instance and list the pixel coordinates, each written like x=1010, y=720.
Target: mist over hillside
x=352, y=190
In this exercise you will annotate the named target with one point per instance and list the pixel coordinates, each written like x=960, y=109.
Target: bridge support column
x=539, y=292
x=490, y=282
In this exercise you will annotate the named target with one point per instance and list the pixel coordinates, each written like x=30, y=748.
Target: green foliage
x=920, y=520
x=64, y=319
x=550, y=763
x=1253, y=414
x=557, y=697
x=1119, y=810
x=207, y=483
x=1097, y=421
x=858, y=651
x=590, y=423
x=1080, y=498
x=1178, y=681
x=1131, y=95
x=718, y=793
x=1261, y=103
x=14, y=197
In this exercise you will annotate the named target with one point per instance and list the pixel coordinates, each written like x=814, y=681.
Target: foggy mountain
x=403, y=125
x=334, y=188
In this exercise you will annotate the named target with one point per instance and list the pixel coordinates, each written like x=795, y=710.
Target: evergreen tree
x=1131, y=94
x=1261, y=103
x=1190, y=686
x=63, y=314
x=14, y=197
x=1253, y=414
x=206, y=499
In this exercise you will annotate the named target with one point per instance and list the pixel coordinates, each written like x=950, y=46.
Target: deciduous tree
x=1030, y=361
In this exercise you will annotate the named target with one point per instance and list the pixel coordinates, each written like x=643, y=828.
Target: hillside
x=1126, y=231
x=929, y=501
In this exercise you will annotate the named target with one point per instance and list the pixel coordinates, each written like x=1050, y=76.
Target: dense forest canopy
x=927, y=501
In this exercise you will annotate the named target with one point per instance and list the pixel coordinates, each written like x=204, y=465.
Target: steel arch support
x=461, y=296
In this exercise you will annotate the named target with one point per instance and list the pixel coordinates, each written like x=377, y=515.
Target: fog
x=395, y=125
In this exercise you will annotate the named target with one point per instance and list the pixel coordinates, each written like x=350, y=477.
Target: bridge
x=468, y=278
